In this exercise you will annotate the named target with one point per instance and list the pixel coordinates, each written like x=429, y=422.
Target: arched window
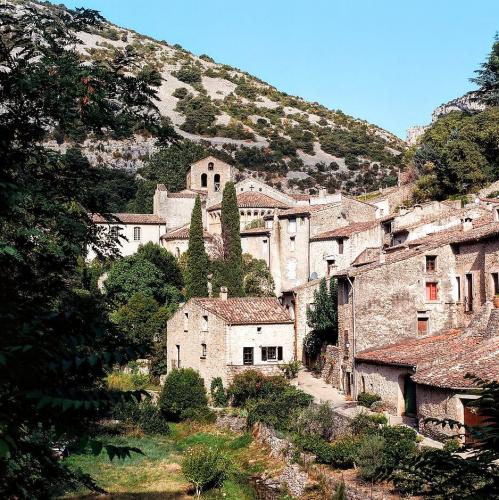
x=216, y=180
x=204, y=180
x=210, y=165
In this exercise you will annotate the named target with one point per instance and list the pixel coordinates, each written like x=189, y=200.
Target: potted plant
x=496, y=301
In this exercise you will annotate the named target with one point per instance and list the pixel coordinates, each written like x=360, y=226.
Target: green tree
x=233, y=269
x=322, y=318
x=196, y=273
x=57, y=342
x=131, y=275
x=258, y=281
x=141, y=319
x=487, y=77
x=164, y=261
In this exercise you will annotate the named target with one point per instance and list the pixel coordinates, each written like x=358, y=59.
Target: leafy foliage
x=367, y=399
x=182, y=392
x=205, y=467
x=233, y=262
x=323, y=317
x=258, y=281
x=57, y=342
x=143, y=414
x=487, y=77
x=196, y=271
x=218, y=393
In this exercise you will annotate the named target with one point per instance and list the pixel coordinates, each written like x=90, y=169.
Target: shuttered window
x=272, y=353
x=248, y=355
x=431, y=291
x=422, y=326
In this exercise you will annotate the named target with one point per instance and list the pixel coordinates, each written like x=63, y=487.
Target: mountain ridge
x=302, y=145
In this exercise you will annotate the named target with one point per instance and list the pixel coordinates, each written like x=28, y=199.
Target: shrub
x=317, y=420
x=290, y=370
x=343, y=451
x=180, y=92
x=278, y=409
x=316, y=445
x=127, y=381
x=188, y=73
x=143, y=414
x=254, y=384
x=400, y=445
x=203, y=414
x=218, y=393
x=365, y=422
x=183, y=390
x=452, y=445
x=367, y=399
x=205, y=467
x=369, y=457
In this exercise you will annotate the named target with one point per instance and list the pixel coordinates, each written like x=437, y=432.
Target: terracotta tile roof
x=345, y=231
x=441, y=360
x=413, y=350
x=481, y=360
x=255, y=230
x=300, y=196
x=252, y=199
x=182, y=233
x=367, y=256
x=302, y=210
x=246, y=310
x=188, y=193
x=482, y=230
x=123, y=218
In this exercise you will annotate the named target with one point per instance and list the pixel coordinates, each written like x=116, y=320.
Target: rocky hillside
x=300, y=144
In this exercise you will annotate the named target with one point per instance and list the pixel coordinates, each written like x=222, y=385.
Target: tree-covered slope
x=295, y=143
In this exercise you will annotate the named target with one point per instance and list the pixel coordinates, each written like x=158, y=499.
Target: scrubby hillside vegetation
x=459, y=152
x=290, y=142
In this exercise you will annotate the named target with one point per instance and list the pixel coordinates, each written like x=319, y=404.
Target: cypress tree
x=196, y=275
x=233, y=272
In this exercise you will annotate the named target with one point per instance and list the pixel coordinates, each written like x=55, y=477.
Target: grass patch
x=157, y=473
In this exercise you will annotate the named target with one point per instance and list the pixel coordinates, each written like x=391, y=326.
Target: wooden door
x=410, y=408
x=472, y=419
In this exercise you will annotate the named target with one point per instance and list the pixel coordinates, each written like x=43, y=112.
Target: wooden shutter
x=422, y=325
x=279, y=353
x=431, y=291
x=264, y=354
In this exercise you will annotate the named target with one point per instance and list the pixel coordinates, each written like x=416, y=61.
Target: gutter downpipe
x=354, y=350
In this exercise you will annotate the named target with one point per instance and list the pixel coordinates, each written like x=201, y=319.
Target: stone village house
x=220, y=337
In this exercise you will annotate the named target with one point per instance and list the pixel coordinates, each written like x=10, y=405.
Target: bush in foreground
x=218, y=394
x=367, y=399
x=143, y=414
x=182, y=392
x=205, y=467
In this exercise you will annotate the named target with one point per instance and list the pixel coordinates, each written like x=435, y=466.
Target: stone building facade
x=220, y=337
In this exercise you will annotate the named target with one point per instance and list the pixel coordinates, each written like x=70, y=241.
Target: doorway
x=469, y=293
x=472, y=419
x=410, y=407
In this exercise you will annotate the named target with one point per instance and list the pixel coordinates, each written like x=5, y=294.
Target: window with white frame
x=136, y=233
x=272, y=353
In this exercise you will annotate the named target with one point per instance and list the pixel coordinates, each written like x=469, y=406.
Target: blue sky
x=390, y=62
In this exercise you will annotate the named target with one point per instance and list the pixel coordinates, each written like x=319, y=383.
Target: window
x=345, y=292
x=457, y=294
x=268, y=224
x=258, y=329
x=431, y=291
x=136, y=234
x=340, y=246
x=204, y=180
x=178, y=356
x=114, y=231
x=216, y=182
x=260, y=189
x=468, y=306
x=247, y=355
x=210, y=165
x=292, y=226
x=423, y=325
x=272, y=353
x=292, y=243
x=431, y=263
x=186, y=322
x=387, y=227
x=203, y=351
x=346, y=343
x=205, y=323
x=495, y=283
x=331, y=266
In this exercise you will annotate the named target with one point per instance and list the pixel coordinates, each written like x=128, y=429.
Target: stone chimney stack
x=467, y=224
x=223, y=292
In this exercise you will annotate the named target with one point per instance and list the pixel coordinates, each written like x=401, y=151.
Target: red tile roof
x=441, y=360
x=246, y=310
x=345, y=231
x=367, y=256
x=188, y=193
x=123, y=218
x=302, y=210
x=255, y=230
x=252, y=199
x=182, y=233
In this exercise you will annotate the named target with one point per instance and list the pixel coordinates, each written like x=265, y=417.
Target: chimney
x=467, y=224
x=418, y=208
x=322, y=193
x=402, y=210
x=223, y=292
